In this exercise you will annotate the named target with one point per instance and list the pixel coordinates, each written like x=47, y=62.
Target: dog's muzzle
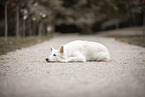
x=47, y=59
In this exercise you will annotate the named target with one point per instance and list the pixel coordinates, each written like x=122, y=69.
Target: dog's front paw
x=64, y=61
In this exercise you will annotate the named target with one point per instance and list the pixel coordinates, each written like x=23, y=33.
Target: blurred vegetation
x=33, y=17
x=23, y=18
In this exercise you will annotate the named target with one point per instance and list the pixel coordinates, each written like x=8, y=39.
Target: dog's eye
x=54, y=54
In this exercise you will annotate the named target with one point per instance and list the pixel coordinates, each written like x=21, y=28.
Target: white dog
x=79, y=51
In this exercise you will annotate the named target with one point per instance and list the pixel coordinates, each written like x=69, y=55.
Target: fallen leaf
x=8, y=66
x=4, y=58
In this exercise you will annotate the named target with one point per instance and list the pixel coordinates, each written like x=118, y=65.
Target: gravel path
x=25, y=73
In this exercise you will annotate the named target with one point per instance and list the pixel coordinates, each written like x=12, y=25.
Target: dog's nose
x=47, y=59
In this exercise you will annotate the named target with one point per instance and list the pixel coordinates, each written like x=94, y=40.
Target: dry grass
x=131, y=39
x=13, y=44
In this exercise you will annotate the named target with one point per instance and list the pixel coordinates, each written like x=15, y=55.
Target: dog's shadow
x=73, y=61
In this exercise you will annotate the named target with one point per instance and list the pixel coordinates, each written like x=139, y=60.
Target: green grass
x=130, y=39
x=13, y=44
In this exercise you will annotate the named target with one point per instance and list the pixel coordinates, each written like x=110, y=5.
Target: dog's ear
x=51, y=48
x=61, y=50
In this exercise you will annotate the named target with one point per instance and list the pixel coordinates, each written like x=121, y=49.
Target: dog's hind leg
x=103, y=57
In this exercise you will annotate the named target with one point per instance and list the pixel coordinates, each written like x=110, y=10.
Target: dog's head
x=56, y=55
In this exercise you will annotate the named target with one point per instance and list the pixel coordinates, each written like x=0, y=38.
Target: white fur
x=80, y=51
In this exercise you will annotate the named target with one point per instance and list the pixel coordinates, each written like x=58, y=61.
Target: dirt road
x=25, y=73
